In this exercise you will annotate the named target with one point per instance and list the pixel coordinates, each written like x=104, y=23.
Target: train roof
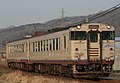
x=52, y=31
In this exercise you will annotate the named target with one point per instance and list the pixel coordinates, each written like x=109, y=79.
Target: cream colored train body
x=86, y=49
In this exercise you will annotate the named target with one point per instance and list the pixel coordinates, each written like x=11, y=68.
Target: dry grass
x=16, y=76
x=22, y=77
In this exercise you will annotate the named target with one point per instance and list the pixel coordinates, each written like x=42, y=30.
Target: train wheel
x=36, y=66
x=42, y=68
x=66, y=71
x=9, y=65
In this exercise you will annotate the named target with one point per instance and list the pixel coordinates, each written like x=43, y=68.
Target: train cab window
x=93, y=37
x=108, y=35
x=78, y=35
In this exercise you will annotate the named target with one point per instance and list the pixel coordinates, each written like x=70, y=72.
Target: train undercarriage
x=91, y=70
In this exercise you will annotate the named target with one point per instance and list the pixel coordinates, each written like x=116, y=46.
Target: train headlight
x=76, y=49
x=108, y=27
x=106, y=59
x=111, y=49
x=78, y=27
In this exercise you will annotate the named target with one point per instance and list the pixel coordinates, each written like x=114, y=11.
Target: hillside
x=14, y=33
x=111, y=16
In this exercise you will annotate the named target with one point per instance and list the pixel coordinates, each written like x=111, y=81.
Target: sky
x=21, y=12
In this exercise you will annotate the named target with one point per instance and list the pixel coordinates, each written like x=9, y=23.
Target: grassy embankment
x=2, y=73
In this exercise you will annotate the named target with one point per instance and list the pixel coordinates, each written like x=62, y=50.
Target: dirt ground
x=16, y=76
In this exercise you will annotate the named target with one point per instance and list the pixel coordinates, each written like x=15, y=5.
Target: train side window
x=50, y=44
x=41, y=45
x=9, y=48
x=64, y=42
x=22, y=47
x=57, y=43
x=46, y=45
x=29, y=47
x=38, y=45
x=53, y=44
x=33, y=47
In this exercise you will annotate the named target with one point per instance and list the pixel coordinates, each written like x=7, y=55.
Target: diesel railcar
x=82, y=50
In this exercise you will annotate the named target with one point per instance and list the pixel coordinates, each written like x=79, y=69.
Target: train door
x=93, y=46
x=27, y=49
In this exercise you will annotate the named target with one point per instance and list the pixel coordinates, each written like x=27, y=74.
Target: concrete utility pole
x=62, y=17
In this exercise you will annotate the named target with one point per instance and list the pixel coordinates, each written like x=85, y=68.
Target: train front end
x=92, y=49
